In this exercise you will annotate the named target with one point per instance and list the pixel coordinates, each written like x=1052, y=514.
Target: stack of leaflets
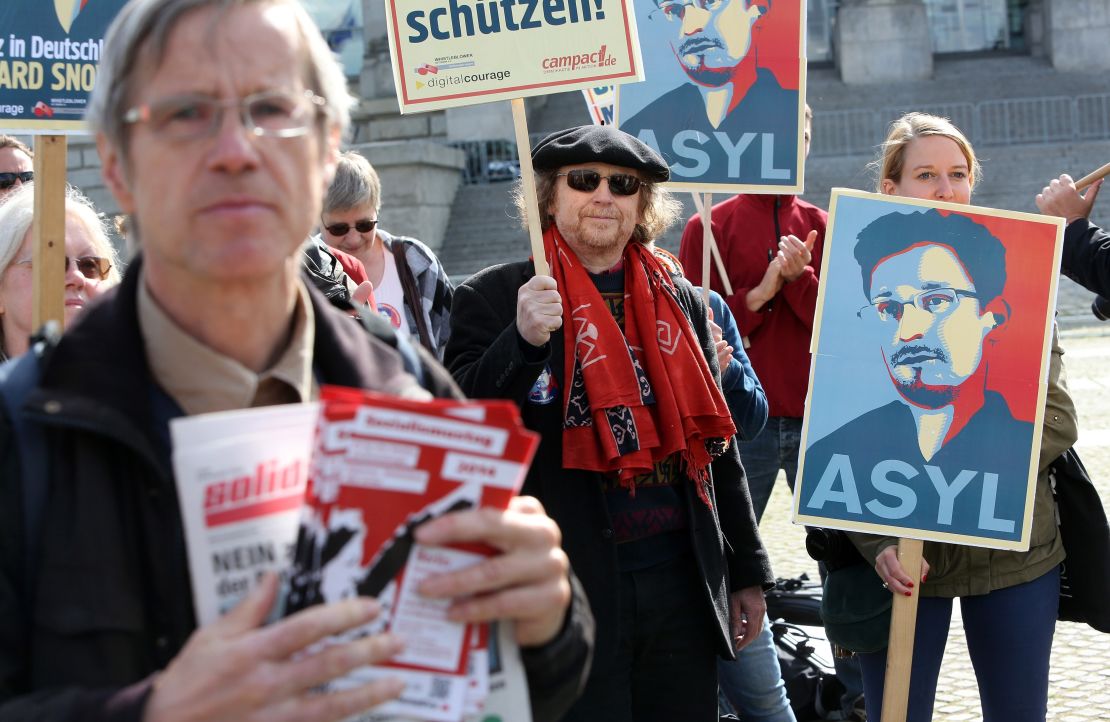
x=330, y=494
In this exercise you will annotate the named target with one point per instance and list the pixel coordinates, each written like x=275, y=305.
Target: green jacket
x=956, y=570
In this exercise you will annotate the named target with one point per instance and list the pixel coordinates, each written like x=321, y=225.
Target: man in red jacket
x=774, y=281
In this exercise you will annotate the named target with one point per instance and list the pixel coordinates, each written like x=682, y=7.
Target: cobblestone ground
x=1080, y=677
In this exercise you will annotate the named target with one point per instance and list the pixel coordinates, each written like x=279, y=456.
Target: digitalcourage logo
x=68, y=10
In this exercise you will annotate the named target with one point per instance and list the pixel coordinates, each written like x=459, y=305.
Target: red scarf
x=632, y=399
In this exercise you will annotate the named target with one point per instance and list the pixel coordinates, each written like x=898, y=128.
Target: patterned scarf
x=632, y=399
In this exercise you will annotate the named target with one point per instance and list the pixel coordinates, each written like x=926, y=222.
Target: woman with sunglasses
x=16, y=164
x=1008, y=599
x=91, y=263
x=411, y=289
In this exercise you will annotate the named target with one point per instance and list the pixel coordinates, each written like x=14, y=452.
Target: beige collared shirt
x=202, y=380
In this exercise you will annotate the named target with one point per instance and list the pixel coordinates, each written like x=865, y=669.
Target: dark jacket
x=1086, y=257
x=111, y=600
x=486, y=356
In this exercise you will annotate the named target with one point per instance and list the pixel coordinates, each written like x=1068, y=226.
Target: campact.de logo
x=562, y=63
x=68, y=10
x=426, y=68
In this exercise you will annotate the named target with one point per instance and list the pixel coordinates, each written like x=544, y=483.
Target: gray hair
x=17, y=213
x=355, y=184
x=137, y=39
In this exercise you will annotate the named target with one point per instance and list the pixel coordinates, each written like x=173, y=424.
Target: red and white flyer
x=241, y=478
x=383, y=466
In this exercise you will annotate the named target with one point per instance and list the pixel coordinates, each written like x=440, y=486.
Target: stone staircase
x=998, y=98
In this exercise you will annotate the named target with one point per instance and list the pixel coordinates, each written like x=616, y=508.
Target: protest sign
x=48, y=57
x=600, y=101
x=724, y=98
x=450, y=53
x=929, y=375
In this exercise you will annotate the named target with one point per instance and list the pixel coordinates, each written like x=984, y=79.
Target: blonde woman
x=91, y=263
x=1008, y=599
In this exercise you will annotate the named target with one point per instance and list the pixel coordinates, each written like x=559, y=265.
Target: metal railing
x=1011, y=121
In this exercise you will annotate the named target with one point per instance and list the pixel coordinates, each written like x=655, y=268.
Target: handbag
x=1085, y=574
x=855, y=608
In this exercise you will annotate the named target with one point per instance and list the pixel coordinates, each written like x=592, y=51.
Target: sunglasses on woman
x=587, y=181
x=341, y=229
x=7, y=180
x=93, y=268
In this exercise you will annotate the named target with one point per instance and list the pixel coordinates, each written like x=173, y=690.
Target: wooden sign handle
x=720, y=265
x=706, y=210
x=528, y=179
x=1082, y=183
x=49, y=240
x=903, y=621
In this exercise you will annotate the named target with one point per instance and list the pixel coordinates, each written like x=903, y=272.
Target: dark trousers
x=665, y=668
x=1009, y=637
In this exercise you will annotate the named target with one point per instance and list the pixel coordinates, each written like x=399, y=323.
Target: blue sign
x=724, y=93
x=49, y=51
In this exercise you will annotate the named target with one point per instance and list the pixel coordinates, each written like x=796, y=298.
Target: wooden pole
x=725, y=284
x=706, y=243
x=903, y=622
x=528, y=179
x=49, y=240
x=1082, y=183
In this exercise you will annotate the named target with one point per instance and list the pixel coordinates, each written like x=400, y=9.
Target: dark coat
x=112, y=601
x=1086, y=257
x=486, y=356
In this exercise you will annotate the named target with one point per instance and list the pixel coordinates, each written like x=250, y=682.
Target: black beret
x=598, y=144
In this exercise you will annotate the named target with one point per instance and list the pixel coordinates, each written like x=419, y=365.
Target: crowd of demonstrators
x=611, y=359
x=1086, y=257
x=92, y=266
x=17, y=164
x=411, y=289
x=218, y=124
x=1008, y=599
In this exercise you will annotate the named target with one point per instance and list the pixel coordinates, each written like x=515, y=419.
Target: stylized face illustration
x=933, y=323
x=712, y=36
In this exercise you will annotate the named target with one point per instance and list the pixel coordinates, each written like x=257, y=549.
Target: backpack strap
x=18, y=378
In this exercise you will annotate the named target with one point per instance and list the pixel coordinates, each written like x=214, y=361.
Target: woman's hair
x=17, y=213
x=659, y=209
x=356, y=183
x=892, y=157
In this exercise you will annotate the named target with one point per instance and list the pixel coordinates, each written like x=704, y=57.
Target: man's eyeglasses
x=93, y=268
x=674, y=12
x=272, y=113
x=587, y=181
x=937, y=301
x=7, y=180
x=341, y=229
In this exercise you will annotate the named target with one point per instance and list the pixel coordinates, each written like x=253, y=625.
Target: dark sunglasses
x=341, y=229
x=7, y=180
x=93, y=268
x=587, y=181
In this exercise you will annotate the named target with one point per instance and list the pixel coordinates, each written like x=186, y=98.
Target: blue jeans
x=775, y=448
x=1009, y=638
x=753, y=684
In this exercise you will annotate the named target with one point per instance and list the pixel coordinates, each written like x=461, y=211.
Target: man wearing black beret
x=637, y=462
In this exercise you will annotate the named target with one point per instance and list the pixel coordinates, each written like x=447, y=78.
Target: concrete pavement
x=1080, y=673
